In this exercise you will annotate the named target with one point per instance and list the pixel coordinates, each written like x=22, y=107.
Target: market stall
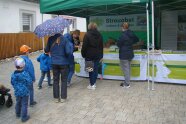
x=168, y=66
x=155, y=36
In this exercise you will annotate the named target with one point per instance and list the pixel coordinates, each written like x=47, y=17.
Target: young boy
x=45, y=67
x=21, y=82
x=24, y=49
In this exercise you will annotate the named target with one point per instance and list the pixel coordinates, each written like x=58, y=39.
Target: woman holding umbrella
x=60, y=50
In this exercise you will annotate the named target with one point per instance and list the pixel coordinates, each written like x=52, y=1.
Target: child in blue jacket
x=21, y=82
x=45, y=67
x=30, y=69
x=74, y=43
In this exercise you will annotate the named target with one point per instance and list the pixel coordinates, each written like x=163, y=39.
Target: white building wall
x=10, y=16
x=81, y=24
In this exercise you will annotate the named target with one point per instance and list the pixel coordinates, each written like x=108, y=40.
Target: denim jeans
x=31, y=95
x=94, y=74
x=21, y=107
x=43, y=73
x=71, y=72
x=60, y=71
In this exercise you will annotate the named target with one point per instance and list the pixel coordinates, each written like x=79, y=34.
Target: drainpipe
x=43, y=39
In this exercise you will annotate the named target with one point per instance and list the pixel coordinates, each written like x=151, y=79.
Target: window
x=27, y=20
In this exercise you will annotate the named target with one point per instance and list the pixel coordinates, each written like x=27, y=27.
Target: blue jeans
x=21, y=107
x=31, y=95
x=71, y=72
x=94, y=74
x=60, y=70
x=43, y=76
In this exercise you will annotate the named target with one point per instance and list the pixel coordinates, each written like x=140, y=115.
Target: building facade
x=24, y=15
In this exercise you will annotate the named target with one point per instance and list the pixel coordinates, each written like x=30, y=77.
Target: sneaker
x=26, y=119
x=126, y=86
x=68, y=84
x=91, y=87
x=45, y=79
x=32, y=104
x=121, y=84
x=50, y=85
x=56, y=100
x=94, y=85
x=62, y=100
x=39, y=87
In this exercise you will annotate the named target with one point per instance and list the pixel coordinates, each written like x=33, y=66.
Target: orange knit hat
x=24, y=48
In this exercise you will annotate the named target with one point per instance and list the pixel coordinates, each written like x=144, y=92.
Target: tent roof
x=171, y=4
x=86, y=8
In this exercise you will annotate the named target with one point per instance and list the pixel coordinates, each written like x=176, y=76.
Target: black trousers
x=60, y=71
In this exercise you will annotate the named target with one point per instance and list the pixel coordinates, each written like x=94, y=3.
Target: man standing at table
x=126, y=54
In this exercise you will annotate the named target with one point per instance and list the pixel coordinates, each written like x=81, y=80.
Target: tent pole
x=152, y=44
x=87, y=20
x=43, y=39
x=147, y=15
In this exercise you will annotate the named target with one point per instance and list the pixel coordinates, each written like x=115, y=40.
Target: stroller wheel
x=2, y=100
x=9, y=103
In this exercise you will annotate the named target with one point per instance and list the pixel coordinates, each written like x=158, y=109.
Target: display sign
x=137, y=22
x=169, y=68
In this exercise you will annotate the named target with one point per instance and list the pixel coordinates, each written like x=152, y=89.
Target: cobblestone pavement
x=108, y=104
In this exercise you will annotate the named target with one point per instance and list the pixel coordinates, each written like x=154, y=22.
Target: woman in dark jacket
x=92, y=50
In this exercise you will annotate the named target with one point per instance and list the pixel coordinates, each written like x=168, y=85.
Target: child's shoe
x=32, y=104
x=25, y=119
x=18, y=116
x=68, y=84
x=39, y=87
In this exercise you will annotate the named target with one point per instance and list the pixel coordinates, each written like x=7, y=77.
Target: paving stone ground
x=108, y=104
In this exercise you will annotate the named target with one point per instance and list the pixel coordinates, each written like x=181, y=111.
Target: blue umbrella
x=52, y=26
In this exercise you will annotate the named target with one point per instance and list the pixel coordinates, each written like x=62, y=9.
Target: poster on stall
x=170, y=68
x=111, y=68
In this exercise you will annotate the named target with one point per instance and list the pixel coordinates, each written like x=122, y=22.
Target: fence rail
x=11, y=42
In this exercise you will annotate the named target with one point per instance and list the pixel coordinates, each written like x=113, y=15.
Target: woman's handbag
x=89, y=66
